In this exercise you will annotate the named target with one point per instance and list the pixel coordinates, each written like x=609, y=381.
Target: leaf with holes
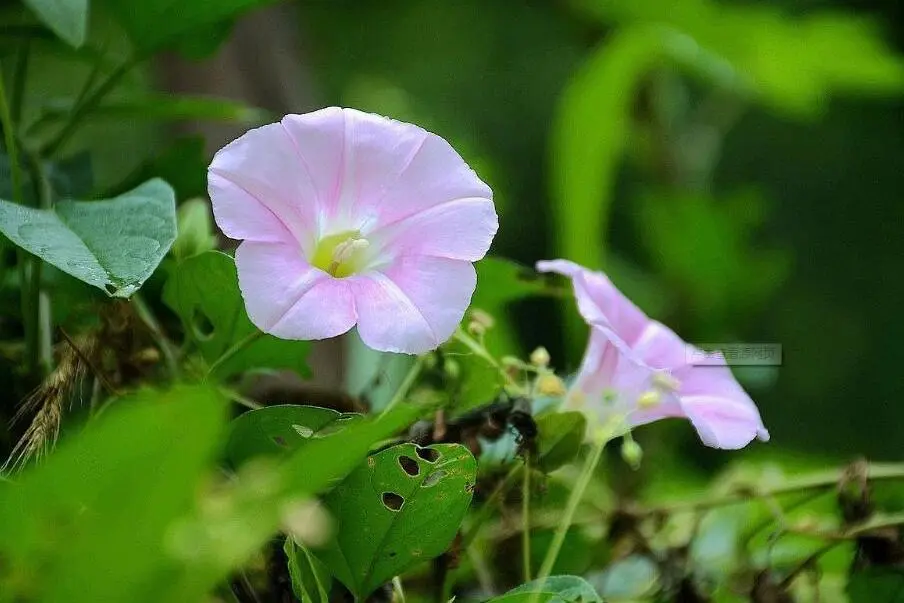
x=281, y=429
x=555, y=589
x=561, y=436
x=400, y=508
x=204, y=292
x=113, y=244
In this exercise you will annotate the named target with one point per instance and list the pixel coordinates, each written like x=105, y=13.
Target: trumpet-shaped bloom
x=348, y=218
x=637, y=370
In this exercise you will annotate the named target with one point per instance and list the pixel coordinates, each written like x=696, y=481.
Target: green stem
x=19, y=78
x=166, y=347
x=525, y=518
x=486, y=510
x=837, y=539
x=87, y=104
x=404, y=388
x=746, y=493
x=29, y=266
x=39, y=296
x=235, y=349
x=12, y=149
x=593, y=459
x=482, y=352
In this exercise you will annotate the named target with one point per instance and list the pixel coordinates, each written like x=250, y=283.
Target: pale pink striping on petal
x=351, y=218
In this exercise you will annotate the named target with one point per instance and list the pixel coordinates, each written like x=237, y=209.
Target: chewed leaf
x=113, y=244
x=409, y=501
x=203, y=290
x=281, y=429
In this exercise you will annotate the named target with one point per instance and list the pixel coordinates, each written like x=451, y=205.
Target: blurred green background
x=736, y=168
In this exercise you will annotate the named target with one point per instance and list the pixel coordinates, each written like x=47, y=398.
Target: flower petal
x=720, y=410
x=660, y=347
x=610, y=381
x=258, y=173
x=414, y=305
x=599, y=302
x=393, y=169
x=286, y=297
x=319, y=147
x=462, y=229
x=241, y=216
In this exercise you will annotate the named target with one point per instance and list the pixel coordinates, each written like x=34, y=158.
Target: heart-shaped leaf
x=204, y=292
x=113, y=244
x=400, y=508
x=561, y=436
x=281, y=429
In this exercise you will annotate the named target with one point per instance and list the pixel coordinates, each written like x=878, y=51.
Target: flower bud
x=451, y=368
x=480, y=323
x=550, y=385
x=195, y=229
x=476, y=329
x=632, y=453
x=540, y=357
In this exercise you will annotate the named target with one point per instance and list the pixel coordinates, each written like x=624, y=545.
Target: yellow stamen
x=649, y=399
x=666, y=382
x=341, y=254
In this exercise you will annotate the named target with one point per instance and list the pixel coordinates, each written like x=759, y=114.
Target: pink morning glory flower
x=348, y=218
x=636, y=370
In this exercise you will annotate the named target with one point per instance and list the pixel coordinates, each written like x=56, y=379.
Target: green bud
x=632, y=453
x=451, y=368
x=195, y=229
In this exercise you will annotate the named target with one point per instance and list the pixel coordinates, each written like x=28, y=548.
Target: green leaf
x=796, y=80
x=154, y=24
x=278, y=430
x=91, y=524
x=400, y=508
x=113, y=244
x=204, y=292
x=195, y=227
x=555, y=589
x=311, y=580
x=67, y=18
x=560, y=438
x=222, y=535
